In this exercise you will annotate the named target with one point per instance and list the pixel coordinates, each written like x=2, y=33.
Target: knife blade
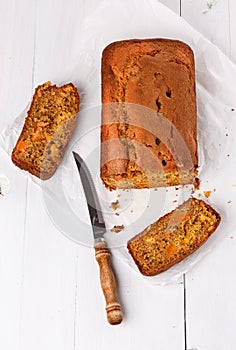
x=102, y=253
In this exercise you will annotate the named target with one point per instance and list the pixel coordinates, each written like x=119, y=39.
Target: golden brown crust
x=48, y=127
x=148, y=131
x=173, y=237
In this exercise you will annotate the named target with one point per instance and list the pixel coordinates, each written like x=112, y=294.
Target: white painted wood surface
x=50, y=296
x=210, y=286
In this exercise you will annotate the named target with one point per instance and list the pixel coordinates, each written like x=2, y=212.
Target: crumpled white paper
x=216, y=101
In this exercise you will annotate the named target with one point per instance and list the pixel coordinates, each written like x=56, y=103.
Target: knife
x=102, y=253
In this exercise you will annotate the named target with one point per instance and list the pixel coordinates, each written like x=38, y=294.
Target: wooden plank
x=232, y=15
x=50, y=260
x=211, y=304
x=174, y=5
x=12, y=218
x=210, y=286
x=49, y=286
x=17, y=52
x=210, y=20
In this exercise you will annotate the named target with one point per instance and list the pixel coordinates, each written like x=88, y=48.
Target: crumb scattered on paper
x=117, y=228
x=226, y=134
x=207, y=194
x=229, y=201
x=199, y=195
x=209, y=6
x=117, y=214
x=4, y=185
x=196, y=184
x=115, y=205
x=232, y=109
x=131, y=210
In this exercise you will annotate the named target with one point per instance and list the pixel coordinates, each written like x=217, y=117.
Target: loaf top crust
x=158, y=74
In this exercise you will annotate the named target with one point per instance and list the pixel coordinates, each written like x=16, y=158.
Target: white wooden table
x=50, y=297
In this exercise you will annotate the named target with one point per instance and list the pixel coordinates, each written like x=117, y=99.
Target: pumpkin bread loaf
x=49, y=124
x=148, y=129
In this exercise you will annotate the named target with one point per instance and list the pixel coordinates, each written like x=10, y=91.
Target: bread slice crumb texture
x=49, y=124
x=173, y=237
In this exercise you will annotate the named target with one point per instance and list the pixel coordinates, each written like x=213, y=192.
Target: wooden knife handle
x=108, y=283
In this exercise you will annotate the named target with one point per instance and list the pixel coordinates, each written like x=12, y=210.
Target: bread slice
x=49, y=124
x=173, y=237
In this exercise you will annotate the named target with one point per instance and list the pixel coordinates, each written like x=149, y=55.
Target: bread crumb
x=229, y=201
x=115, y=205
x=117, y=228
x=226, y=134
x=117, y=214
x=119, y=195
x=131, y=210
x=175, y=200
x=232, y=109
x=209, y=5
x=199, y=195
x=196, y=184
x=231, y=237
x=214, y=190
x=207, y=194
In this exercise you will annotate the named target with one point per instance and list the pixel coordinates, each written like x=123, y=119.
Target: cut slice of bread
x=173, y=237
x=48, y=126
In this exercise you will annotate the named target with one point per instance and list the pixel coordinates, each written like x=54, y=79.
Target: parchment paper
x=216, y=102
